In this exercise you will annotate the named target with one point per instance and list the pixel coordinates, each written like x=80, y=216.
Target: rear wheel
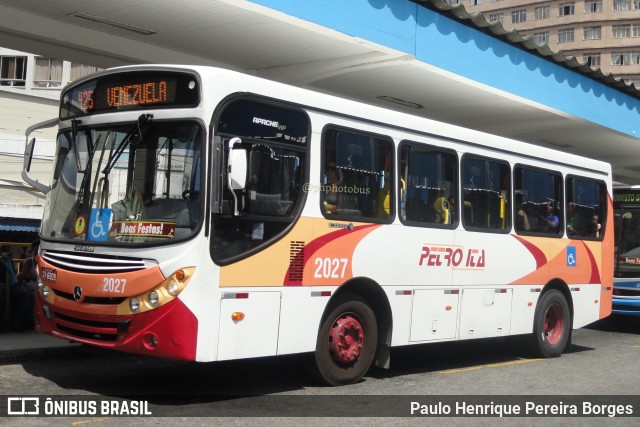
x=346, y=341
x=551, y=325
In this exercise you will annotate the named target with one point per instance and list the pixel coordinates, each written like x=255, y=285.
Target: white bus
x=202, y=214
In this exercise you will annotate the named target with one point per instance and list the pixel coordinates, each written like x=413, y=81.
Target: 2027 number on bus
x=114, y=286
x=330, y=268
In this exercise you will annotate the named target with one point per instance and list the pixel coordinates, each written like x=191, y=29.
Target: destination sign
x=130, y=91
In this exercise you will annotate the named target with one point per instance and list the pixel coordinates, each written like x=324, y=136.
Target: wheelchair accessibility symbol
x=99, y=224
x=572, y=257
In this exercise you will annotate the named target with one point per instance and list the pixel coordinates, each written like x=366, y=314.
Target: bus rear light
x=529, y=304
x=237, y=316
x=448, y=308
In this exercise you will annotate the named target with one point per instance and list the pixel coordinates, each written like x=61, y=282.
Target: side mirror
x=28, y=154
x=29, y=150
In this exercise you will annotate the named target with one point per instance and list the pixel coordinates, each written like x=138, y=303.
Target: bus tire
x=551, y=325
x=346, y=342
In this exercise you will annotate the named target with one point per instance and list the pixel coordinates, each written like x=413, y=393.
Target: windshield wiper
x=136, y=130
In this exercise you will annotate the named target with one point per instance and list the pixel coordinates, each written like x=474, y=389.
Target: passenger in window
x=595, y=226
x=331, y=188
x=522, y=219
x=452, y=210
x=441, y=208
x=575, y=224
x=403, y=198
x=552, y=220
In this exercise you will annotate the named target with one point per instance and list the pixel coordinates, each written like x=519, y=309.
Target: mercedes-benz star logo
x=77, y=293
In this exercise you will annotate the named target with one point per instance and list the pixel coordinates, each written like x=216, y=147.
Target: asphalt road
x=602, y=361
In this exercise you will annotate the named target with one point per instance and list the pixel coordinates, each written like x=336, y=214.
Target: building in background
x=603, y=34
x=29, y=93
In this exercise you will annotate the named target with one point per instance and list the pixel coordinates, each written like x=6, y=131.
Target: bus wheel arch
x=552, y=321
x=358, y=314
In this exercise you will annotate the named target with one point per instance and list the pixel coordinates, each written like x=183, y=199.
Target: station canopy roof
x=431, y=59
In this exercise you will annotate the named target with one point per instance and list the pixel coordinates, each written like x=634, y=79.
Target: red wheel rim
x=346, y=339
x=553, y=324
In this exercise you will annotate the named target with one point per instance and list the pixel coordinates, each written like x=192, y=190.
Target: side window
x=485, y=187
x=586, y=208
x=273, y=140
x=538, y=195
x=428, y=185
x=357, y=174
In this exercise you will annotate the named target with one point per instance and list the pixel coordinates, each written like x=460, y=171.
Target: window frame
x=621, y=5
x=624, y=58
x=455, y=186
x=592, y=6
x=592, y=59
x=518, y=16
x=496, y=17
x=19, y=67
x=566, y=9
x=621, y=31
x=592, y=32
x=560, y=200
x=392, y=174
x=216, y=176
x=507, y=228
x=541, y=38
x=43, y=76
x=603, y=205
x=566, y=35
x=542, y=12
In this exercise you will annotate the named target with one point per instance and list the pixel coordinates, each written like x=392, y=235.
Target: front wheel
x=551, y=325
x=346, y=341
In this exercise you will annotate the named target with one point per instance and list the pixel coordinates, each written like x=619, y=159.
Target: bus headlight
x=134, y=304
x=172, y=287
x=168, y=290
x=153, y=298
x=44, y=291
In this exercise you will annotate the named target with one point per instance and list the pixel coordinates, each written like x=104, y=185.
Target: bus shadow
x=614, y=323
x=437, y=357
x=176, y=384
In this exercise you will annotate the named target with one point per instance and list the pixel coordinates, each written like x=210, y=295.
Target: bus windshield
x=627, y=241
x=126, y=184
